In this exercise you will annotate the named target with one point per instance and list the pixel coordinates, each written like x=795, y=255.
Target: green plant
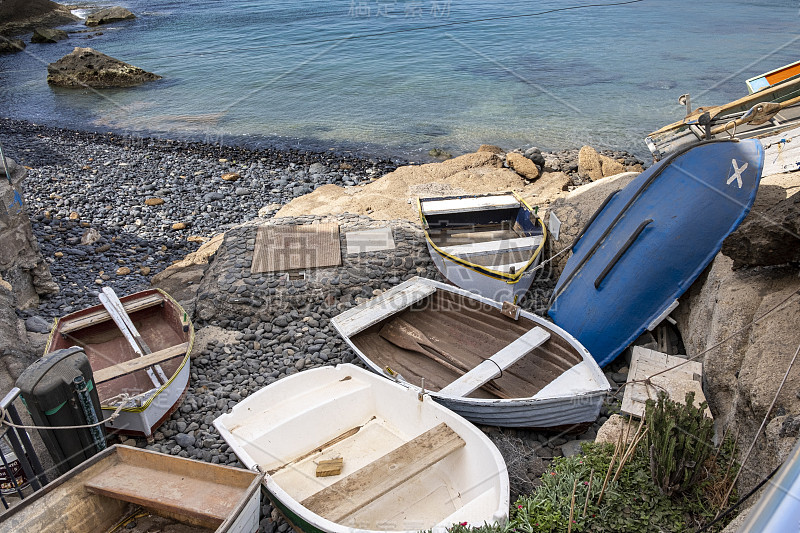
x=679, y=441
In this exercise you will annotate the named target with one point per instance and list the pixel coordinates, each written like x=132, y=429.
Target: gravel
x=86, y=194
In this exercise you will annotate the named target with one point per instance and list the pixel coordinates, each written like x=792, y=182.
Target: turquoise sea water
x=404, y=76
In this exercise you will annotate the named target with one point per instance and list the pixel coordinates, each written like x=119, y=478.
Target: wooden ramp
x=676, y=382
x=346, y=496
x=282, y=248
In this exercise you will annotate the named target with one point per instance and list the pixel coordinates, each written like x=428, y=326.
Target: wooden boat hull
x=288, y=427
x=649, y=242
x=486, y=244
x=686, y=132
x=103, y=491
x=164, y=326
x=567, y=385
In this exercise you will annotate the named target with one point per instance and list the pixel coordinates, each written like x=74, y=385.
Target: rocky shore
x=114, y=210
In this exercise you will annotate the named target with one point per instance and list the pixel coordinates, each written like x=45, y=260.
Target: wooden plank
x=390, y=302
x=463, y=205
x=131, y=366
x=204, y=501
x=493, y=247
x=369, y=483
x=101, y=315
x=676, y=382
x=492, y=367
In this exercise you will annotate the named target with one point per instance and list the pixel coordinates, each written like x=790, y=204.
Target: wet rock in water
x=48, y=35
x=86, y=67
x=10, y=46
x=109, y=15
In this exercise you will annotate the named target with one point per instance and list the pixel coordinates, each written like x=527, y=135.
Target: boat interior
x=441, y=472
x=468, y=331
x=491, y=238
x=93, y=329
x=125, y=489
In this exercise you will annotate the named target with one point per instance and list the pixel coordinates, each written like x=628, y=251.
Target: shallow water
x=405, y=76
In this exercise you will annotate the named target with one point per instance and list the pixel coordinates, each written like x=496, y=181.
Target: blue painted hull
x=650, y=241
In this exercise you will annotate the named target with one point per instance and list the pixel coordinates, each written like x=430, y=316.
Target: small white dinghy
x=488, y=244
x=406, y=463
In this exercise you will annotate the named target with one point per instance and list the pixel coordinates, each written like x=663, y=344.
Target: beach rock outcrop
x=22, y=16
x=594, y=166
x=770, y=235
x=744, y=323
x=86, y=67
x=522, y=166
x=109, y=15
x=575, y=209
x=21, y=263
x=10, y=46
x=48, y=35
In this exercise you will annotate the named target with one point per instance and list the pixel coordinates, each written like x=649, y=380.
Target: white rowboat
x=407, y=463
x=510, y=369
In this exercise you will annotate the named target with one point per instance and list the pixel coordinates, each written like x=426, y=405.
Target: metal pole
x=88, y=410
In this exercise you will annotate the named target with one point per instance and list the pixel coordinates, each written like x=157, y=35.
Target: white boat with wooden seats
x=344, y=449
x=488, y=244
x=123, y=486
x=138, y=345
x=491, y=363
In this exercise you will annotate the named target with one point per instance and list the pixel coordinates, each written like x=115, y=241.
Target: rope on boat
x=123, y=397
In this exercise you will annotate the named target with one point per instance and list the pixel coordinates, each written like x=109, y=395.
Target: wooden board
x=676, y=382
x=387, y=304
x=493, y=367
x=371, y=240
x=132, y=365
x=493, y=247
x=205, y=502
x=282, y=248
x=101, y=315
x=369, y=483
x=432, y=206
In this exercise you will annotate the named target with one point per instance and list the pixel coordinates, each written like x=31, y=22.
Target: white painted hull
x=287, y=427
x=573, y=398
x=495, y=289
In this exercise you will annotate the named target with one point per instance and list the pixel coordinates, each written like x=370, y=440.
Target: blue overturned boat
x=648, y=242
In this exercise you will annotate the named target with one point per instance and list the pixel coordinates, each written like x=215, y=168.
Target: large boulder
x=594, y=166
x=21, y=261
x=22, y=16
x=522, y=165
x=393, y=196
x=770, y=235
x=48, y=35
x=109, y=15
x=745, y=323
x=576, y=208
x=11, y=46
x=85, y=67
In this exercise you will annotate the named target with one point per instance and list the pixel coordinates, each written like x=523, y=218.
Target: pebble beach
x=87, y=196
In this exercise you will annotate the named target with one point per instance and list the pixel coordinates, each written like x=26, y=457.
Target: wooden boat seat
x=494, y=247
x=492, y=367
x=387, y=304
x=203, y=501
x=129, y=367
x=369, y=483
x=463, y=205
x=97, y=317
